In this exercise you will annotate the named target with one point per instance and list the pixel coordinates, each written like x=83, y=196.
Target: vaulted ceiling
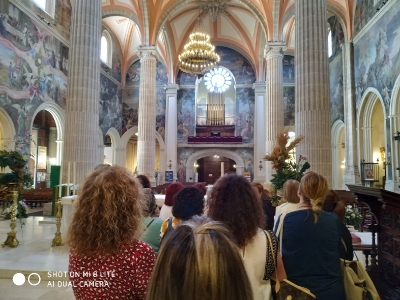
x=167, y=24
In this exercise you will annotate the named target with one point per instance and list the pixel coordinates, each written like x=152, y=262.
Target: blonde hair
x=314, y=188
x=198, y=260
x=108, y=212
x=290, y=189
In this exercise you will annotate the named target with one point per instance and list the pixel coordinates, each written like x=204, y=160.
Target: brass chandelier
x=198, y=54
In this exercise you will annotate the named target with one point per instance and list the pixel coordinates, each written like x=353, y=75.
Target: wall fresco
x=336, y=89
x=160, y=111
x=237, y=64
x=62, y=15
x=288, y=105
x=133, y=74
x=186, y=114
x=365, y=11
x=288, y=69
x=130, y=108
x=337, y=36
x=377, y=57
x=185, y=79
x=33, y=69
x=245, y=114
x=110, y=108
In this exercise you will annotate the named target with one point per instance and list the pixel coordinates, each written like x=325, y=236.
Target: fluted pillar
x=147, y=113
x=351, y=174
x=82, y=109
x=274, y=119
x=313, y=118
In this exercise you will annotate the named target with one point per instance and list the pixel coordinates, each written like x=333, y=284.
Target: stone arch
x=131, y=131
x=208, y=152
x=59, y=117
x=364, y=122
x=116, y=144
x=394, y=128
x=336, y=130
x=7, y=133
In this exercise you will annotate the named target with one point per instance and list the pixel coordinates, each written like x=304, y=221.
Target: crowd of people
x=215, y=246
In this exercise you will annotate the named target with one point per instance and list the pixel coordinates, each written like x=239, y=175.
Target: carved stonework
x=387, y=242
x=147, y=53
x=274, y=49
x=397, y=248
x=387, y=270
x=396, y=220
x=387, y=218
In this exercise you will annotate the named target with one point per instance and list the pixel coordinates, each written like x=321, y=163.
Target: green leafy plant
x=286, y=168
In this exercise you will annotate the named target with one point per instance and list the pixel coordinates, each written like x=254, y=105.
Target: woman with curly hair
x=311, y=241
x=234, y=202
x=103, y=238
x=199, y=260
x=188, y=202
x=170, y=192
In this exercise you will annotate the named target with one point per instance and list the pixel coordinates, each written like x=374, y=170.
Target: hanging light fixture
x=198, y=54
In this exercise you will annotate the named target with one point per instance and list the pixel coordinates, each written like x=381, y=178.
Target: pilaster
x=259, y=131
x=274, y=118
x=171, y=138
x=352, y=173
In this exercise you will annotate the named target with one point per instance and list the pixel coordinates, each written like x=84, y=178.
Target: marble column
x=147, y=113
x=273, y=100
x=82, y=109
x=313, y=108
x=259, y=131
x=171, y=134
x=351, y=174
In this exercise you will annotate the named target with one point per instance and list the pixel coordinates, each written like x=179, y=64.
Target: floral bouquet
x=353, y=216
x=286, y=168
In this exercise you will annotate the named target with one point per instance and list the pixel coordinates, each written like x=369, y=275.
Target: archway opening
x=341, y=161
x=208, y=169
x=43, y=148
x=378, y=140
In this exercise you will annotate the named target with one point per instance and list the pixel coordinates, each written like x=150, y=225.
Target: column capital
x=147, y=53
x=274, y=49
x=171, y=88
x=259, y=87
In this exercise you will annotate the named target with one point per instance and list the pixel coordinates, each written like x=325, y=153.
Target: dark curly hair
x=233, y=201
x=188, y=202
x=144, y=181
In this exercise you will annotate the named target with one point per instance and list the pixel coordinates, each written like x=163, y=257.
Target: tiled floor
x=33, y=255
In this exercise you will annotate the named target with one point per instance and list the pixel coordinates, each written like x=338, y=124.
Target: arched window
x=330, y=43
x=105, y=50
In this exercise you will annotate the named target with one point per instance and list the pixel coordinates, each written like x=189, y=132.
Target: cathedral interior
x=86, y=82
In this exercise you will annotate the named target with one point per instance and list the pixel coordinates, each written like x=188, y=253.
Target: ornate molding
x=274, y=49
x=147, y=53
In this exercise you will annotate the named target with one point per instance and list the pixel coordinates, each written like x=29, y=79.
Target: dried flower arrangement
x=281, y=160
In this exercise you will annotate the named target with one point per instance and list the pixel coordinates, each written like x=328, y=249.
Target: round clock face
x=218, y=80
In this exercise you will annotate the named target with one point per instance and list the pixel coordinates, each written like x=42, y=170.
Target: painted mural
x=160, y=111
x=337, y=36
x=288, y=69
x=237, y=64
x=62, y=15
x=110, y=108
x=288, y=105
x=130, y=96
x=377, y=57
x=186, y=114
x=33, y=68
x=183, y=154
x=336, y=89
x=185, y=79
x=244, y=122
x=365, y=10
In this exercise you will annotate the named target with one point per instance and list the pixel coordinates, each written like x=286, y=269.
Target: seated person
x=199, y=257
